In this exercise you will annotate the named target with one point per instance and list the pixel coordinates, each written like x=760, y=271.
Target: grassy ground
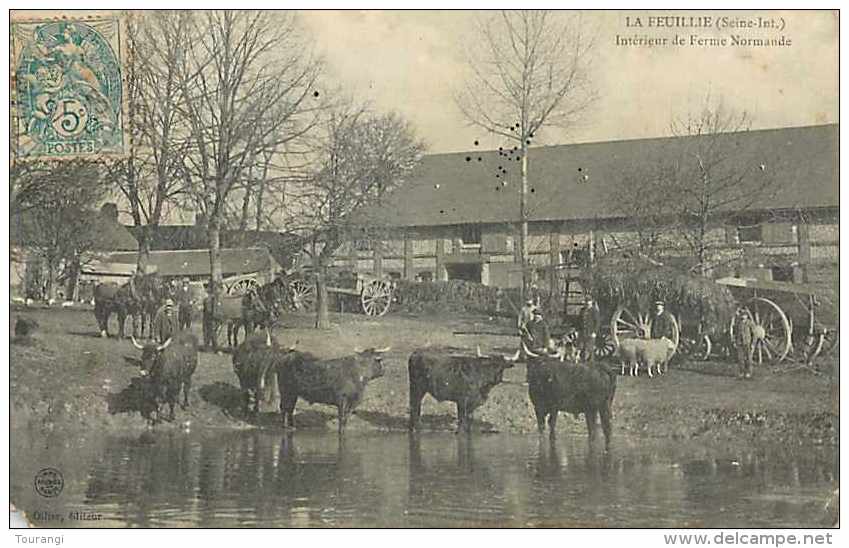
x=66, y=376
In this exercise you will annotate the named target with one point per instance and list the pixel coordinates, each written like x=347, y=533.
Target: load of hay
x=636, y=282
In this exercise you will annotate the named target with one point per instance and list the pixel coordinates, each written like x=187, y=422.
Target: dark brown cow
x=465, y=380
x=169, y=368
x=340, y=382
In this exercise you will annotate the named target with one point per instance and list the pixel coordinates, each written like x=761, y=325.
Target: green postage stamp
x=68, y=89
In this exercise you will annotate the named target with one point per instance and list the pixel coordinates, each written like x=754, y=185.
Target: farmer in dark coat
x=185, y=303
x=589, y=324
x=662, y=323
x=165, y=322
x=744, y=343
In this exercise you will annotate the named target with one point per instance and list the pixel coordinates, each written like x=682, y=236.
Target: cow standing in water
x=465, y=380
x=340, y=382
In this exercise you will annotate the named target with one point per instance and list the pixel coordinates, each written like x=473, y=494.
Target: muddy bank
x=66, y=377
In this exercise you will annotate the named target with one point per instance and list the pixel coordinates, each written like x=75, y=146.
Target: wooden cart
x=371, y=294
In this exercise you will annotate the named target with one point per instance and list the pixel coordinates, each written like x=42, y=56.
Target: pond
x=216, y=478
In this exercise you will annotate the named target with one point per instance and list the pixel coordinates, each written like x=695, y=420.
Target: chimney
x=109, y=211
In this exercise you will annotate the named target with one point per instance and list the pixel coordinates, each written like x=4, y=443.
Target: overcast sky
x=411, y=62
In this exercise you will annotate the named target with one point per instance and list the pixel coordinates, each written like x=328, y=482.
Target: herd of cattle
x=259, y=362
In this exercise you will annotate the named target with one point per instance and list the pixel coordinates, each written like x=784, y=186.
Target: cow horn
x=382, y=350
x=136, y=343
x=267, y=337
x=514, y=357
x=528, y=352
x=164, y=345
x=478, y=349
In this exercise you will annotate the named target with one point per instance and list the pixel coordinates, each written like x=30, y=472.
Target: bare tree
x=529, y=70
x=709, y=174
x=681, y=196
x=54, y=216
x=151, y=176
x=361, y=156
x=247, y=81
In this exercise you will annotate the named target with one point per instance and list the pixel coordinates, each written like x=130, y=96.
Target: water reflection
x=314, y=479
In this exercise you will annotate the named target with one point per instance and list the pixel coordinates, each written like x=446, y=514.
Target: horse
x=259, y=307
x=126, y=300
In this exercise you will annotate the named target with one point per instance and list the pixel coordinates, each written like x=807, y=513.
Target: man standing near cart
x=662, y=322
x=589, y=323
x=744, y=343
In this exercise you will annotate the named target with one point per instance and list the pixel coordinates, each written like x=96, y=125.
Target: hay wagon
x=626, y=288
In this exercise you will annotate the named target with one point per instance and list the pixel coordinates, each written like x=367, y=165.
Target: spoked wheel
x=302, y=295
x=604, y=345
x=376, y=297
x=772, y=331
x=242, y=287
x=823, y=343
x=628, y=325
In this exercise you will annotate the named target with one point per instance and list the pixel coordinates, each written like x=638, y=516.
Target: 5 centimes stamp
x=49, y=482
x=67, y=88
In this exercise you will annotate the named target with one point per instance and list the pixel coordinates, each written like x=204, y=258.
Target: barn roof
x=572, y=182
x=195, y=262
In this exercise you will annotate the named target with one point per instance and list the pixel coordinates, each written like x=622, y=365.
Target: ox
x=169, y=368
x=340, y=382
x=141, y=304
x=465, y=380
x=555, y=386
x=255, y=363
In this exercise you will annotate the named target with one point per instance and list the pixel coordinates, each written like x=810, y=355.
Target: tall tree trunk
x=322, y=317
x=50, y=294
x=144, y=249
x=523, y=218
x=216, y=275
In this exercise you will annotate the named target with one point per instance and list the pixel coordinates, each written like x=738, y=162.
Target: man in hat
x=209, y=338
x=185, y=302
x=589, y=324
x=165, y=322
x=536, y=335
x=662, y=322
x=526, y=315
x=744, y=343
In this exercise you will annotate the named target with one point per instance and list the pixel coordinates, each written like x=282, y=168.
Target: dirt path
x=68, y=377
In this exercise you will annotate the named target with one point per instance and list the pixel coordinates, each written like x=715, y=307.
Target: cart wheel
x=772, y=329
x=302, y=294
x=604, y=346
x=376, y=297
x=823, y=344
x=242, y=287
x=626, y=325
x=699, y=348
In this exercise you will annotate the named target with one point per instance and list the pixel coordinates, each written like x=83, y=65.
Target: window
x=750, y=234
x=470, y=234
x=782, y=274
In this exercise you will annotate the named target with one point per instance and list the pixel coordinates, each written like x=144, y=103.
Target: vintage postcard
x=429, y=269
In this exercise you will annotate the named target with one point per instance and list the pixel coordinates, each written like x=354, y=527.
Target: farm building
x=28, y=277
x=237, y=265
x=457, y=220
